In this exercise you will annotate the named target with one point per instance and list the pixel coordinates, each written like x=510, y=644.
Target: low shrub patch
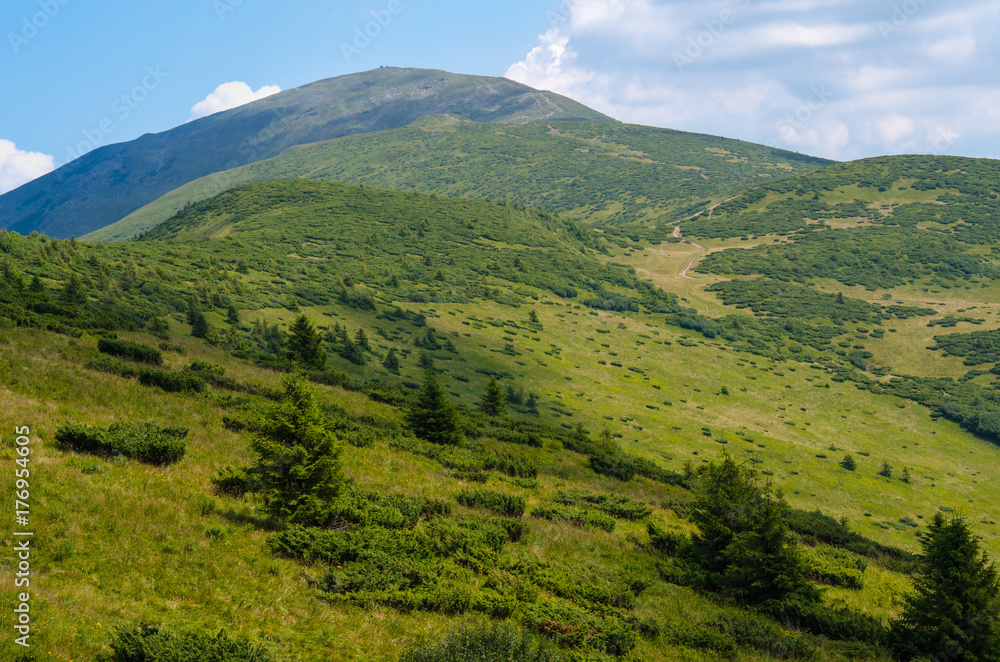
x=146, y=442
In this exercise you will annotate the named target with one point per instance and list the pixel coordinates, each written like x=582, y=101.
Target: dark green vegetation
x=146, y=442
x=484, y=643
x=497, y=418
x=147, y=643
x=110, y=182
x=603, y=171
x=955, y=612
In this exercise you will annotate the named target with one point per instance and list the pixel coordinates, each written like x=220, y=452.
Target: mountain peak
x=110, y=182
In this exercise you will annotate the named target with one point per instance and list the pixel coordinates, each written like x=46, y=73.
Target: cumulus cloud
x=837, y=78
x=230, y=95
x=19, y=167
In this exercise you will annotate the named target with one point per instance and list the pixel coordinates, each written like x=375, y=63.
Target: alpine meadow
x=456, y=369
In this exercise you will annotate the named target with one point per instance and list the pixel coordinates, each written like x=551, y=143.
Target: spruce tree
x=391, y=362
x=532, y=404
x=73, y=293
x=305, y=344
x=954, y=613
x=298, y=458
x=431, y=417
x=743, y=543
x=196, y=318
x=493, y=403
x=361, y=340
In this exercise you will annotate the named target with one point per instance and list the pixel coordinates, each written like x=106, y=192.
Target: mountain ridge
x=110, y=182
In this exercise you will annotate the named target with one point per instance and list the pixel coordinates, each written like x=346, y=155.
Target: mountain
x=594, y=170
x=571, y=517
x=110, y=182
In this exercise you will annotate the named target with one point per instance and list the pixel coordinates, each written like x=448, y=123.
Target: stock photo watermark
x=121, y=109
x=701, y=43
x=22, y=536
x=225, y=7
x=902, y=14
x=33, y=24
x=819, y=96
x=365, y=35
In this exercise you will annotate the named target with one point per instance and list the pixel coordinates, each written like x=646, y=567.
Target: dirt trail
x=691, y=260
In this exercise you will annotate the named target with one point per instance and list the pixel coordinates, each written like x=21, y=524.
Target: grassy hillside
x=596, y=171
x=109, y=182
x=627, y=378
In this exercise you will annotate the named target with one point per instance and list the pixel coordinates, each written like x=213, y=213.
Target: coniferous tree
x=196, y=318
x=361, y=340
x=233, y=315
x=493, y=402
x=305, y=344
x=431, y=416
x=954, y=613
x=743, y=543
x=73, y=293
x=532, y=404
x=391, y=362
x=298, y=458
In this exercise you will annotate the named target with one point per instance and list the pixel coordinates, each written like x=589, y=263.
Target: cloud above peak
x=19, y=167
x=230, y=95
x=842, y=79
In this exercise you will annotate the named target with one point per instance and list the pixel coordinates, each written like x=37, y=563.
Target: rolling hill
x=559, y=518
x=600, y=172
x=112, y=181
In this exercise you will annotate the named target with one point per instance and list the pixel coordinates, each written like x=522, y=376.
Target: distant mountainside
x=110, y=182
x=601, y=171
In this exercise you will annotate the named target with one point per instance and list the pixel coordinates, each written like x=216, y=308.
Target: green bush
x=579, y=516
x=837, y=567
x=231, y=481
x=149, y=644
x=485, y=642
x=498, y=502
x=130, y=350
x=146, y=442
x=618, y=507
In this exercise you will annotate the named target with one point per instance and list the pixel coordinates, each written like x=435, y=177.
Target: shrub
x=579, y=516
x=484, y=642
x=618, y=507
x=146, y=442
x=130, y=350
x=230, y=481
x=498, y=502
x=147, y=643
x=668, y=542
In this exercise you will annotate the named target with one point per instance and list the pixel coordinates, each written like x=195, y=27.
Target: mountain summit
x=110, y=182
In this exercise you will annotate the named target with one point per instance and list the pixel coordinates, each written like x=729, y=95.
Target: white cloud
x=230, y=95
x=896, y=129
x=18, y=167
x=818, y=76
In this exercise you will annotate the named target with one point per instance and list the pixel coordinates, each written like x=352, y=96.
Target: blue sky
x=837, y=78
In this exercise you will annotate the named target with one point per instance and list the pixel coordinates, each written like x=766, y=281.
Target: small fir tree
x=743, y=543
x=298, y=459
x=954, y=613
x=361, y=340
x=305, y=344
x=196, y=318
x=532, y=404
x=391, y=362
x=849, y=463
x=492, y=402
x=432, y=417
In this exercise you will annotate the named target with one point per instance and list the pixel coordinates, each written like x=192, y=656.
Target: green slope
x=122, y=542
x=597, y=171
x=110, y=182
